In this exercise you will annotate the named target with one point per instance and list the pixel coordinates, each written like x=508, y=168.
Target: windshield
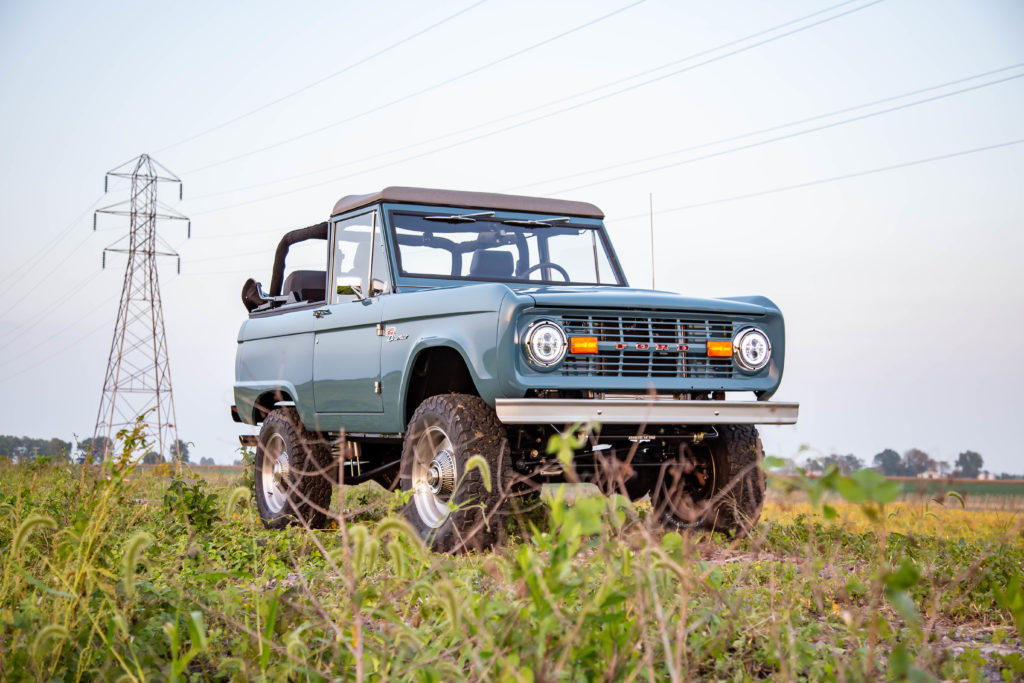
x=480, y=247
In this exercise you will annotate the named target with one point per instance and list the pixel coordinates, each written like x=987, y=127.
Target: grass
x=121, y=574
x=969, y=488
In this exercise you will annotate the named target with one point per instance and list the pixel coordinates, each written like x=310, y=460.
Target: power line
x=62, y=300
x=538, y=118
x=11, y=359
x=46, y=275
x=528, y=110
x=222, y=257
x=769, y=129
x=220, y=272
x=247, y=233
x=748, y=195
x=822, y=181
x=648, y=82
x=32, y=260
x=788, y=136
x=317, y=82
x=421, y=91
x=753, y=194
x=77, y=340
x=505, y=117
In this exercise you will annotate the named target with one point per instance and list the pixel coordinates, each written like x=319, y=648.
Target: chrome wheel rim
x=434, y=476
x=275, y=474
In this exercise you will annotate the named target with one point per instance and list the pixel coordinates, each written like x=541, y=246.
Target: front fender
x=463, y=319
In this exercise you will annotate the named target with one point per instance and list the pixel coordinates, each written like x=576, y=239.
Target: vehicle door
x=346, y=351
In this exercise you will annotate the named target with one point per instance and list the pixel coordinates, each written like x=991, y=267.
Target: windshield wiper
x=534, y=223
x=460, y=217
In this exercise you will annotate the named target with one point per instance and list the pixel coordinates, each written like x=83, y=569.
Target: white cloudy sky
x=902, y=288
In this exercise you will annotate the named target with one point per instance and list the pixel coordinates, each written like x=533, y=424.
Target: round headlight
x=752, y=349
x=545, y=344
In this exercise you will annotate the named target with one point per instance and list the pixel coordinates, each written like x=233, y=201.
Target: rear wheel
x=453, y=509
x=718, y=486
x=290, y=478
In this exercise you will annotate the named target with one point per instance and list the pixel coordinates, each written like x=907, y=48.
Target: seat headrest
x=487, y=263
x=308, y=285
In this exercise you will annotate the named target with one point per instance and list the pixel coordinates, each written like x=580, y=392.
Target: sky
x=859, y=163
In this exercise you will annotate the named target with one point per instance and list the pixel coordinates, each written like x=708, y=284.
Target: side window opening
x=299, y=274
x=306, y=271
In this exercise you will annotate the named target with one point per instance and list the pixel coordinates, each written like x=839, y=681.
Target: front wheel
x=718, y=486
x=452, y=509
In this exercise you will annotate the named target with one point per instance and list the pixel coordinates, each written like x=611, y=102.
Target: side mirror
x=350, y=286
x=353, y=286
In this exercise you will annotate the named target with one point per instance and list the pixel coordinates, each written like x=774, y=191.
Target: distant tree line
x=914, y=462
x=24, y=448
x=153, y=457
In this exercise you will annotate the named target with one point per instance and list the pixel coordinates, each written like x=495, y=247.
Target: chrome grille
x=633, y=330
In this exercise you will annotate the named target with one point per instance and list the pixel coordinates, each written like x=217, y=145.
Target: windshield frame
x=410, y=279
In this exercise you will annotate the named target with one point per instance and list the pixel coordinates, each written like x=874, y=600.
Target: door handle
x=321, y=312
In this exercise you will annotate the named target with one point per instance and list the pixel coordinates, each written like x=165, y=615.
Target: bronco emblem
x=391, y=336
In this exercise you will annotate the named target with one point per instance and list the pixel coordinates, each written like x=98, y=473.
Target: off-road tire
x=734, y=503
x=305, y=488
x=471, y=428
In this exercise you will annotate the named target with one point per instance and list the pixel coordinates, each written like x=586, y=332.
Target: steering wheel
x=546, y=264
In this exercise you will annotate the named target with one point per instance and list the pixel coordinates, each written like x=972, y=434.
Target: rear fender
x=255, y=399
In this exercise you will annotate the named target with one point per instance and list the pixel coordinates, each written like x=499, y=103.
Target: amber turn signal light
x=583, y=344
x=720, y=349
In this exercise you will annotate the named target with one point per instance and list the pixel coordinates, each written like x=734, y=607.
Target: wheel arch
x=433, y=370
x=268, y=401
x=255, y=399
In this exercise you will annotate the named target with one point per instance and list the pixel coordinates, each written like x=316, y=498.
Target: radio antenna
x=650, y=198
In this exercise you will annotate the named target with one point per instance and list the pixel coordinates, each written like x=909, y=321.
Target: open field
x=125, y=574
x=911, y=486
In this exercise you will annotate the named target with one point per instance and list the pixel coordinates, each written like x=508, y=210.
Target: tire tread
x=474, y=429
x=308, y=455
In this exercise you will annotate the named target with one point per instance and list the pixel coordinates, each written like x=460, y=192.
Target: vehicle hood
x=642, y=299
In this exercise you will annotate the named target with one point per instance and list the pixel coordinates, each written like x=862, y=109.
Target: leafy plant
x=247, y=459
x=194, y=503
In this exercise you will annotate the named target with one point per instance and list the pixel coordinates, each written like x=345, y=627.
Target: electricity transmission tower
x=138, y=379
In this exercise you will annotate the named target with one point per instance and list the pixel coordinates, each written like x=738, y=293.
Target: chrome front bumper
x=644, y=411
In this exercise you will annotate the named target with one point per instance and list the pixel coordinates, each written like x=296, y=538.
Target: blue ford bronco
x=435, y=340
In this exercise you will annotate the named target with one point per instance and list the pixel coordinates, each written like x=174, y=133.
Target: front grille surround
x=637, y=345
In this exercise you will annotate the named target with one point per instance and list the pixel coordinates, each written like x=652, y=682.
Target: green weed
x=110, y=573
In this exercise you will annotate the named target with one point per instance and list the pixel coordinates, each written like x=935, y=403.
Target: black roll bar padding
x=313, y=232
